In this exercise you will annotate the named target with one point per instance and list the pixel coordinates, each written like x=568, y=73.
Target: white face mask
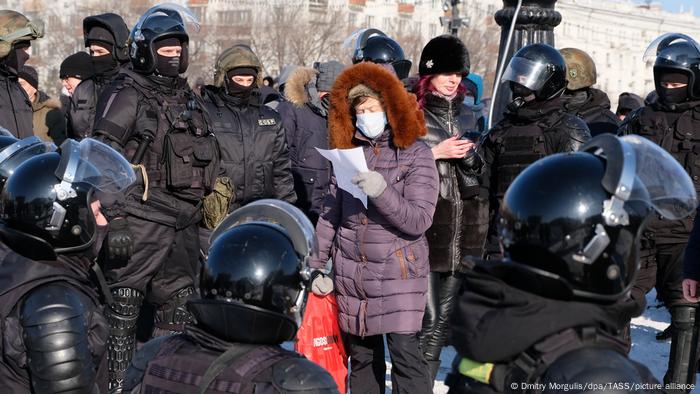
x=371, y=124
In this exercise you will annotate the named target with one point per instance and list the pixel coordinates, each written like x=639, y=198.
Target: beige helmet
x=15, y=27
x=580, y=69
x=234, y=57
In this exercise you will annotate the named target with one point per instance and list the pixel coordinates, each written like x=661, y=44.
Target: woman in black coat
x=461, y=216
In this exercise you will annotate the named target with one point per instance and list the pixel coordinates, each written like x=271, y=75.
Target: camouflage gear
x=15, y=27
x=234, y=57
x=580, y=68
x=215, y=205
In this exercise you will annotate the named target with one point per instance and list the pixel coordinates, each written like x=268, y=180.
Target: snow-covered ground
x=645, y=348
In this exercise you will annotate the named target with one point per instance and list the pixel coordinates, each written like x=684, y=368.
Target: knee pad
x=121, y=316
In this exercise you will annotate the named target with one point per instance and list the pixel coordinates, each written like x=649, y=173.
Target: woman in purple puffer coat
x=379, y=253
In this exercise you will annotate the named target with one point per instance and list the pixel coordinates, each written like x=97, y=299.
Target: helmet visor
x=352, y=45
x=284, y=214
x=92, y=162
x=179, y=16
x=528, y=73
x=681, y=55
x=5, y=132
x=660, y=180
x=14, y=155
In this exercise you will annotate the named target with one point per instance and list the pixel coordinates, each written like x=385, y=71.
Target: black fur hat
x=444, y=54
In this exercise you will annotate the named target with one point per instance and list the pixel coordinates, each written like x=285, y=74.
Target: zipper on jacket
x=12, y=105
x=453, y=130
x=402, y=264
x=456, y=239
x=449, y=117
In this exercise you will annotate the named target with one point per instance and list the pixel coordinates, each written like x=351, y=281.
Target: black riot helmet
x=570, y=223
x=17, y=152
x=108, y=28
x=252, y=284
x=49, y=195
x=676, y=53
x=372, y=45
x=540, y=68
x=6, y=138
x=158, y=23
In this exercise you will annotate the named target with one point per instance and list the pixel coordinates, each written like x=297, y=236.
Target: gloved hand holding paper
x=346, y=164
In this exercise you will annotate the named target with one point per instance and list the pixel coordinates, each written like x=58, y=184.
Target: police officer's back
x=553, y=312
x=53, y=329
x=252, y=293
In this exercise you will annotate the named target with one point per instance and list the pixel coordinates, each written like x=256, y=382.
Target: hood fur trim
x=405, y=118
x=295, y=86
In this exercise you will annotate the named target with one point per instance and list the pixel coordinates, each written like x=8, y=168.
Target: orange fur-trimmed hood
x=404, y=116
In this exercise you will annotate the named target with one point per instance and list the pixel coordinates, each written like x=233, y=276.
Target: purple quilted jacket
x=380, y=254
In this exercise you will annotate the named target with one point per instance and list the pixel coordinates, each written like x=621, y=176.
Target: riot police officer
x=535, y=124
x=152, y=116
x=16, y=35
x=51, y=230
x=252, y=288
x=106, y=37
x=372, y=45
x=581, y=99
x=553, y=311
x=673, y=122
x=254, y=150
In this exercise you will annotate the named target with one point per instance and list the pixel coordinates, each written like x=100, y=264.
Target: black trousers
x=661, y=267
x=442, y=292
x=164, y=261
x=409, y=371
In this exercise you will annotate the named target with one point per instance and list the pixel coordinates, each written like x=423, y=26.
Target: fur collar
x=405, y=118
x=295, y=87
x=42, y=100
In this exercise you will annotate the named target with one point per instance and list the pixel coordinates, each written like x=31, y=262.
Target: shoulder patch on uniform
x=267, y=122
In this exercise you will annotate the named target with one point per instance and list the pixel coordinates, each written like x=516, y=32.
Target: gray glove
x=321, y=285
x=371, y=182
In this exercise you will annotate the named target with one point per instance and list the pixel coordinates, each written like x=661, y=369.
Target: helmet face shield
x=585, y=228
x=660, y=180
x=281, y=213
x=17, y=153
x=5, y=132
x=176, y=16
x=531, y=74
x=355, y=42
x=666, y=50
x=95, y=163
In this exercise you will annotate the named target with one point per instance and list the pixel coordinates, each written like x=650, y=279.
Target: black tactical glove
x=120, y=241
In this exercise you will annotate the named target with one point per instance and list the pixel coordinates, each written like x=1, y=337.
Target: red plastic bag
x=319, y=337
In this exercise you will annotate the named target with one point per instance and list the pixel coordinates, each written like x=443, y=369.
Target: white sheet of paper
x=346, y=164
